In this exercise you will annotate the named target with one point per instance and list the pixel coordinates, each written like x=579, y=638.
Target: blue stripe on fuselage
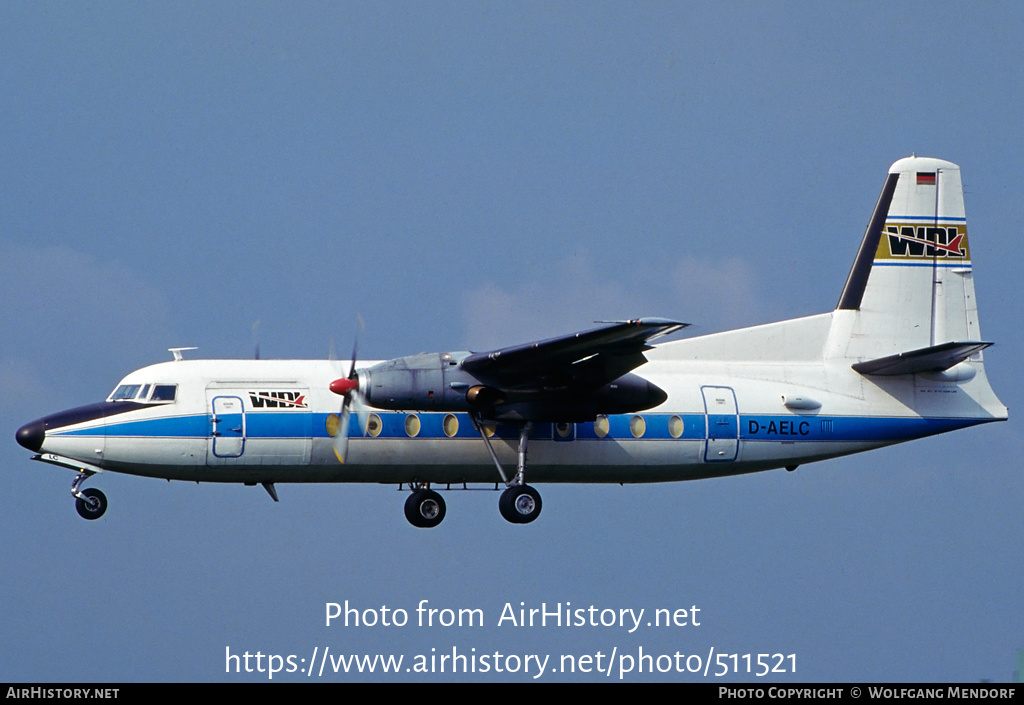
x=753, y=427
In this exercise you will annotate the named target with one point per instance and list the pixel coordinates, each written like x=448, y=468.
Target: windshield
x=125, y=392
x=162, y=393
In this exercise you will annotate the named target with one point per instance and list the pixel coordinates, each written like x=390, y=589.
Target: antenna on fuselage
x=177, y=352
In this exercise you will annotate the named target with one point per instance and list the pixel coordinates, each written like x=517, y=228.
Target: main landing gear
x=90, y=503
x=424, y=508
x=519, y=503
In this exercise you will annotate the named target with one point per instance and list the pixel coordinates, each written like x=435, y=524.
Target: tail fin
x=911, y=286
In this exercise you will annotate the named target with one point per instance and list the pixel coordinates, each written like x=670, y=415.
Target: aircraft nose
x=31, y=435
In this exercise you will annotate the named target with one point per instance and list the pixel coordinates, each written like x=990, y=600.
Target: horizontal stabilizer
x=932, y=359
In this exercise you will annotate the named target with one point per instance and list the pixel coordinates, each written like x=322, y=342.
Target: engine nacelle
x=437, y=382
x=428, y=381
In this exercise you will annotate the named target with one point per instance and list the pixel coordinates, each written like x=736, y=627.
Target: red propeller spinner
x=343, y=386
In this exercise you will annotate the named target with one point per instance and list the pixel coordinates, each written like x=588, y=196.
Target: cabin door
x=227, y=428
x=722, y=425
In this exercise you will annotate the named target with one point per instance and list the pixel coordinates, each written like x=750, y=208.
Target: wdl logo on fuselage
x=278, y=400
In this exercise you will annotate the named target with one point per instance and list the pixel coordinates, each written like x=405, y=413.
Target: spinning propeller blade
x=348, y=389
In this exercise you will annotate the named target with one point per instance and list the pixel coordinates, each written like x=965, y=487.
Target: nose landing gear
x=90, y=503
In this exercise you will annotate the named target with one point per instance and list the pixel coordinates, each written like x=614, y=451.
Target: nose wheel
x=90, y=503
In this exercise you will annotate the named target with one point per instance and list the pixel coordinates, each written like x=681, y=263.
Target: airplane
x=899, y=358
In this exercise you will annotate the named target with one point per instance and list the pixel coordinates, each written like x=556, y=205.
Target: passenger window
x=164, y=392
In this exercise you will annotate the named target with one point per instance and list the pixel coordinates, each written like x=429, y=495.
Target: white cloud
x=536, y=308
x=714, y=295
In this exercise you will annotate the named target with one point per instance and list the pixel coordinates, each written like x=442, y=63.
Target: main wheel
x=93, y=506
x=424, y=509
x=520, y=504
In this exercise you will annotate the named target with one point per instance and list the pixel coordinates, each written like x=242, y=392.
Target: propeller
x=348, y=389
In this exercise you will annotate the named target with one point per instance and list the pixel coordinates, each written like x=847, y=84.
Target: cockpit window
x=125, y=392
x=164, y=392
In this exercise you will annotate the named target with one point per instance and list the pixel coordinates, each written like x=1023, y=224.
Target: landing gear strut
x=424, y=508
x=519, y=503
x=90, y=503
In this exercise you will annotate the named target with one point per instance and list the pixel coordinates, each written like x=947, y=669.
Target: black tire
x=92, y=508
x=520, y=504
x=425, y=509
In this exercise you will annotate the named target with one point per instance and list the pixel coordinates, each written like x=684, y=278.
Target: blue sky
x=468, y=175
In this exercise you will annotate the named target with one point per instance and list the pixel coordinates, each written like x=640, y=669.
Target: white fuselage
x=899, y=358
x=767, y=400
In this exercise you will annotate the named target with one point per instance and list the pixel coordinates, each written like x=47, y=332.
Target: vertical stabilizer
x=911, y=286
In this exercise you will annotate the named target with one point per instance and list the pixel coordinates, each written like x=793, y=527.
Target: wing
x=588, y=359
x=571, y=378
